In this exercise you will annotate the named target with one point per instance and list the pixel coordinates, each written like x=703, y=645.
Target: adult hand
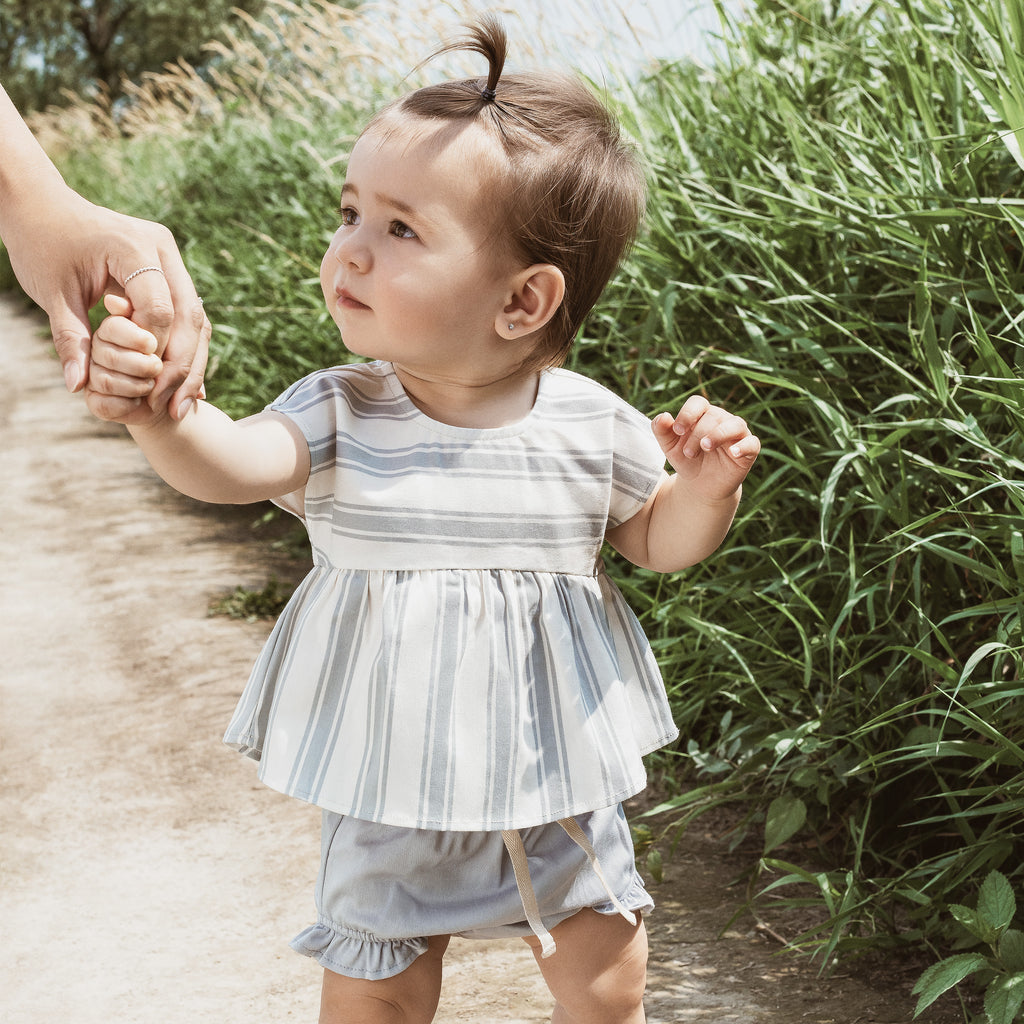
x=82, y=252
x=67, y=253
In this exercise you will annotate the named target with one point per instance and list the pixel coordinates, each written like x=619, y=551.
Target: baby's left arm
x=690, y=513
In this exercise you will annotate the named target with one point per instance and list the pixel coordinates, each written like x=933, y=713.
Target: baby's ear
x=537, y=293
x=117, y=305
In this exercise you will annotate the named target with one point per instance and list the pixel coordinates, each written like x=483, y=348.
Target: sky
x=597, y=34
x=634, y=31
x=664, y=28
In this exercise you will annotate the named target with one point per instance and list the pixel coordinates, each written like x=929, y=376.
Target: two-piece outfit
x=457, y=683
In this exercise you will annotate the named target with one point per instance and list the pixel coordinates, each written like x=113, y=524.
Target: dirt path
x=145, y=875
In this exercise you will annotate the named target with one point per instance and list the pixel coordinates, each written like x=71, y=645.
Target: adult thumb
x=72, y=338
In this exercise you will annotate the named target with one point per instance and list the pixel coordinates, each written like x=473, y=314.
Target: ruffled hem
x=636, y=899
x=454, y=699
x=357, y=956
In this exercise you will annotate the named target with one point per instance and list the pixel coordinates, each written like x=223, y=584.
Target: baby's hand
x=709, y=447
x=123, y=365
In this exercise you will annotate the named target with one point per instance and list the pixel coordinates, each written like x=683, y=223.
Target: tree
x=47, y=46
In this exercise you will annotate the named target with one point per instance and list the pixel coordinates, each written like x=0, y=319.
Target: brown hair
x=571, y=192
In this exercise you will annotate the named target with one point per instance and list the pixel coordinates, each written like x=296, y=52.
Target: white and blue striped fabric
x=457, y=659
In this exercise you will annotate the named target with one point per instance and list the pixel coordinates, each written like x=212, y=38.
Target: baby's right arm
x=206, y=454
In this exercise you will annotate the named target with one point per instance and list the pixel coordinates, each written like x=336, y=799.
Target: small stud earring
x=511, y=327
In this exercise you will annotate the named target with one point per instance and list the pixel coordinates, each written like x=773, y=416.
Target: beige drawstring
x=517, y=854
x=576, y=834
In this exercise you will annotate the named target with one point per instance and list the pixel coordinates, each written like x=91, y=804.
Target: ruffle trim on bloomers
x=361, y=955
x=638, y=900
x=357, y=955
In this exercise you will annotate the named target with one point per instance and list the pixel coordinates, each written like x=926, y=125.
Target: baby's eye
x=400, y=230
x=348, y=216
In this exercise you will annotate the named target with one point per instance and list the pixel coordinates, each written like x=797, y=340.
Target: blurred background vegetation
x=834, y=250
x=50, y=47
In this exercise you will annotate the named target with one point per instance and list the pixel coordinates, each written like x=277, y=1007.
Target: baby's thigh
x=407, y=998
x=598, y=972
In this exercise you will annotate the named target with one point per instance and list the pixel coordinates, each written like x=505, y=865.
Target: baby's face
x=412, y=275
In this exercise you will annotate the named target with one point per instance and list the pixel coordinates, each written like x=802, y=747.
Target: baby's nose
x=349, y=249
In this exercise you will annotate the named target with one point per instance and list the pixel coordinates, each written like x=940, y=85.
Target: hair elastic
x=488, y=94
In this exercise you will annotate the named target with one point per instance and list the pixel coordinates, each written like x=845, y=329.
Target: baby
x=457, y=683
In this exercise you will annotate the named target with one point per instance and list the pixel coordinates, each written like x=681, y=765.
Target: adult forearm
x=28, y=179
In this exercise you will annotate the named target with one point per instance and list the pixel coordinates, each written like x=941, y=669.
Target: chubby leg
x=408, y=998
x=599, y=970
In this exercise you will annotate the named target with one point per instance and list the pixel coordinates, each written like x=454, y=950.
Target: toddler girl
x=457, y=683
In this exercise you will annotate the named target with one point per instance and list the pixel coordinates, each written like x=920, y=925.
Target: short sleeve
x=311, y=403
x=638, y=464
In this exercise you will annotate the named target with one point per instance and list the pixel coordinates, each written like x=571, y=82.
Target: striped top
x=457, y=658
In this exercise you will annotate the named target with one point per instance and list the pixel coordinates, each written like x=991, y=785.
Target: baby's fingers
x=120, y=332
x=123, y=359
x=121, y=371
x=694, y=408
x=747, y=447
x=702, y=428
x=720, y=429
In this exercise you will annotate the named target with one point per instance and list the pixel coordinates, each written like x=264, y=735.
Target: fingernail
x=705, y=443
x=72, y=376
x=184, y=408
x=735, y=451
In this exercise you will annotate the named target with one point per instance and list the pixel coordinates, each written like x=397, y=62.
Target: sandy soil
x=145, y=875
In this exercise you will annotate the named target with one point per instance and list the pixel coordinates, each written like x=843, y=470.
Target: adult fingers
x=142, y=271
x=188, y=344
x=190, y=388
x=193, y=388
x=165, y=302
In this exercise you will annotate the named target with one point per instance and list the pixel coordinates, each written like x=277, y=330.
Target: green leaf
x=996, y=905
x=654, y=866
x=786, y=815
x=941, y=977
x=975, y=924
x=1011, y=950
x=1003, y=998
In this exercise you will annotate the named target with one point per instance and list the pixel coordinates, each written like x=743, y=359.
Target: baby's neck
x=480, y=406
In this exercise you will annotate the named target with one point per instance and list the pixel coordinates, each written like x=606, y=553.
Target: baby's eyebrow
x=392, y=202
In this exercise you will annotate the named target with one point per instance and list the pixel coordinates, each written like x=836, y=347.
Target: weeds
x=252, y=603
x=834, y=252
x=999, y=968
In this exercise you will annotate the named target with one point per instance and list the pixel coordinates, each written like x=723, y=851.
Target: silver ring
x=141, y=270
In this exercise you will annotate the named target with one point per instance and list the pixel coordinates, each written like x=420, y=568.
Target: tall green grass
x=835, y=250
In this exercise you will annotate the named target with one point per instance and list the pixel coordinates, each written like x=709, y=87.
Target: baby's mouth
x=348, y=301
